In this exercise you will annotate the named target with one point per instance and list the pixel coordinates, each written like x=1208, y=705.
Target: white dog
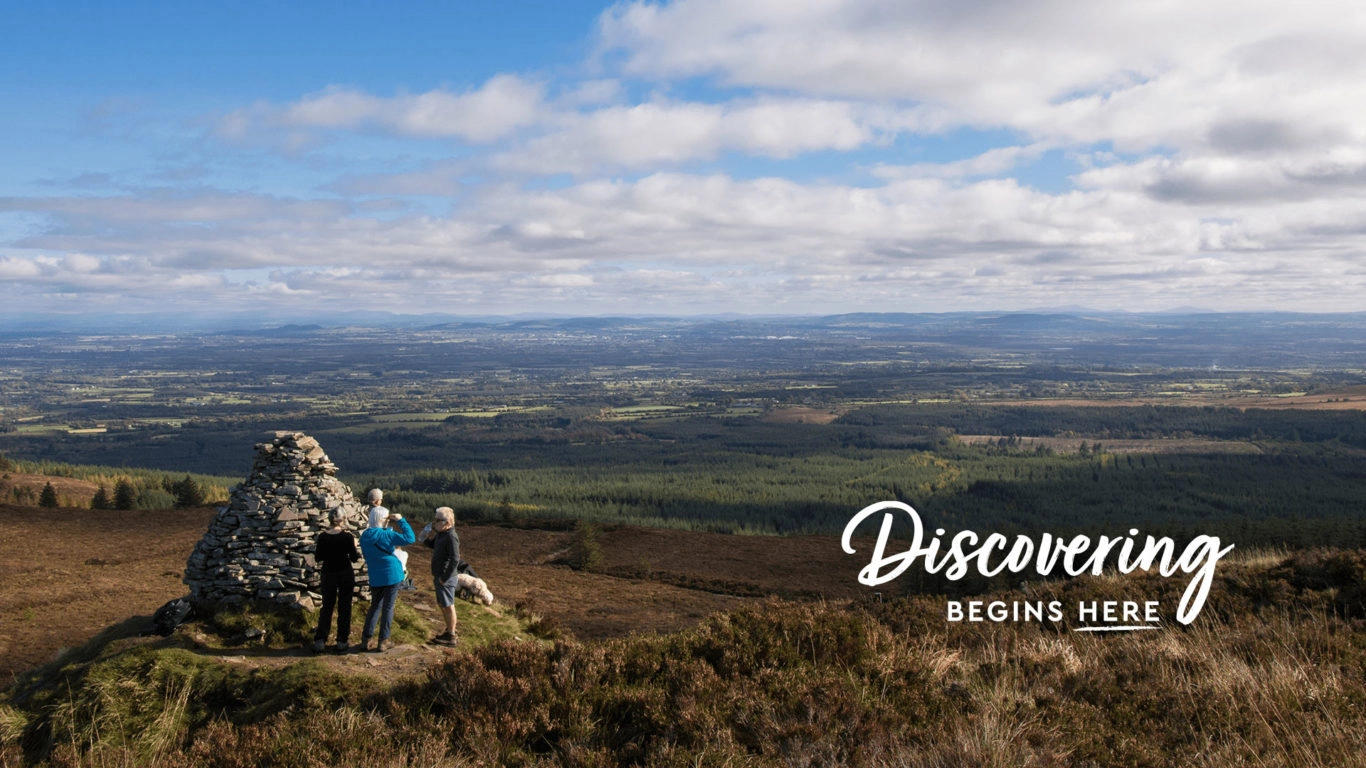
x=474, y=587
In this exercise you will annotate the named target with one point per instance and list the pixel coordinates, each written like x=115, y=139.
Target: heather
x=1273, y=672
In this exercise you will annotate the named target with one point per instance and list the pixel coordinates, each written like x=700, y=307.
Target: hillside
x=71, y=572
x=677, y=648
x=27, y=486
x=1272, y=673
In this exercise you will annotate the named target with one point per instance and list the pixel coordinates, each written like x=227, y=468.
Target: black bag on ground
x=170, y=616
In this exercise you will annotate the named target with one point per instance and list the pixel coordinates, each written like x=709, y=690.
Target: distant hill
x=21, y=487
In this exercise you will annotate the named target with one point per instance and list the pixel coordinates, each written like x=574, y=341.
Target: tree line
x=1301, y=483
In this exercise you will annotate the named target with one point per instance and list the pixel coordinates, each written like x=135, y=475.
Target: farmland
x=744, y=426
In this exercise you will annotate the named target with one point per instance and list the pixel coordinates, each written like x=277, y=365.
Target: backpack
x=170, y=616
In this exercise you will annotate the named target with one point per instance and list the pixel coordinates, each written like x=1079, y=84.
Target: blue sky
x=689, y=157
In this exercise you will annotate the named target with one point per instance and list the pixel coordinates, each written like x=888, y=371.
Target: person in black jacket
x=334, y=552
x=445, y=568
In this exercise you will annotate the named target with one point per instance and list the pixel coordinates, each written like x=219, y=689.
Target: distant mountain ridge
x=1191, y=340
x=1054, y=320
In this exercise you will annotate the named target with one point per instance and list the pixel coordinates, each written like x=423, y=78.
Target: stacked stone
x=260, y=547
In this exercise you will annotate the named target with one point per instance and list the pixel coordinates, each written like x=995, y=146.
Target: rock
x=259, y=547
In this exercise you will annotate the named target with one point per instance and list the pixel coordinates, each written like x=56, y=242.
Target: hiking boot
x=341, y=648
x=448, y=638
x=319, y=646
x=381, y=646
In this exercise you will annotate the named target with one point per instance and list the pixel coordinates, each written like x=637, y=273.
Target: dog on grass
x=472, y=587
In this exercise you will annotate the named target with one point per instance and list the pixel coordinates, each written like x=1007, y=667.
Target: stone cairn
x=260, y=547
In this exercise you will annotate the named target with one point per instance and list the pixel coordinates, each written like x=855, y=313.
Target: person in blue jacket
x=387, y=532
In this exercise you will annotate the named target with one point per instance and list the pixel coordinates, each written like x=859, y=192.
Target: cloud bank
x=750, y=156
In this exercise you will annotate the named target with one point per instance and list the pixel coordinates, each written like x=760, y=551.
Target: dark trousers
x=337, y=590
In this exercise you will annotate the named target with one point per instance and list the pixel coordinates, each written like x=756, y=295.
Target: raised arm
x=403, y=533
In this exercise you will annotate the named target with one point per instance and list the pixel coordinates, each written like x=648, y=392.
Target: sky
x=681, y=158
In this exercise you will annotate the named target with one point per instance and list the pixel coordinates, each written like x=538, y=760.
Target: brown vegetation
x=70, y=572
x=803, y=415
x=1270, y=674
x=25, y=488
x=666, y=660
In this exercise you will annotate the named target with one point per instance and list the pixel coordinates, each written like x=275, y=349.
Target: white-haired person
x=376, y=501
x=387, y=532
x=445, y=544
x=377, y=510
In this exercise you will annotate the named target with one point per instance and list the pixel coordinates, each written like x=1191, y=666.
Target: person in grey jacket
x=445, y=546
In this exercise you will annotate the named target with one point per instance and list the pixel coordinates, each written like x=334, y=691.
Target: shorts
x=445, y=592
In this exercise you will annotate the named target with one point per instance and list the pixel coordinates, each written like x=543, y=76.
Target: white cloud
x=648, y=135
x=989, y=163
x=1134, y=72
x=591, y=93
x=1241, y=181
x=561, y=280
x=1219, y=145
x=688, y=243
x=710, y=243
x=502, y=105
x=19, y=268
